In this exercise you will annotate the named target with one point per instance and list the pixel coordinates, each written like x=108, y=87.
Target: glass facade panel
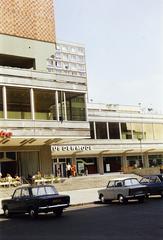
x=18, y=103
x=1, y=103
x=114, y=132
x=148, y=131
x=45, y=107
x=75, y=104
x=158, y=131
x=101, y=130
x=92, y=130
x=126, y=131
x=137, y=129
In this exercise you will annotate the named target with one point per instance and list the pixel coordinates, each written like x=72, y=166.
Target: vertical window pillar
x=57, y=107
x=65, y=109
x=32, y=103
x=120, y=131
x=4, y=95
x=94, y=127
x=107, y=129
x=86, y=108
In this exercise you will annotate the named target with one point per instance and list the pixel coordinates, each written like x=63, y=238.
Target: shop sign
x=71, y=148
x=4, y=134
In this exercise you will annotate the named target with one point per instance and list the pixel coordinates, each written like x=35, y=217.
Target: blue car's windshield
x=129, y=182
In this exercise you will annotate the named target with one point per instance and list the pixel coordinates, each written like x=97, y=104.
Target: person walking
x=68, y=170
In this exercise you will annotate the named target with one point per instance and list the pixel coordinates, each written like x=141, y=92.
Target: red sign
x=4, y=134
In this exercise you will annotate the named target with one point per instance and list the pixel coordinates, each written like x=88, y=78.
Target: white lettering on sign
x=70, y=148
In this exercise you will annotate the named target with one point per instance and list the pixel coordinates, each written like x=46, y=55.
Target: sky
x=124, y=48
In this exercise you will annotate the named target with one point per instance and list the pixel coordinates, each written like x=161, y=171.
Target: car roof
x=153, y=175
x=122, y=178
x=35, y=186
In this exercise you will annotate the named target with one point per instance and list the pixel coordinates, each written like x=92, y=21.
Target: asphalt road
x=133, y=221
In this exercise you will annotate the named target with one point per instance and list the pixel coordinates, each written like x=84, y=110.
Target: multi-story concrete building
x=37, y=107
x=45, y=120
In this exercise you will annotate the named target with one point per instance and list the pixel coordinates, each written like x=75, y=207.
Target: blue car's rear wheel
x=33, y=213
x=6, y=212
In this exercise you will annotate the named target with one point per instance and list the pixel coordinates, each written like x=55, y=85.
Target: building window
x=45, y=107
x=1, y=103
x=114, y=132
x=155, y=160
x=126, y=131
x=148, y=131
x=18, y=103
x=137, y=130
x=101, y=130
x=158, y=131
x=75, y=104
x=92, y=130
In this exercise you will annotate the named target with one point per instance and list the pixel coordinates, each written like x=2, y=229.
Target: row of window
x=69, y=48
x=115, y=130
x=46, y=104
x=70, y=57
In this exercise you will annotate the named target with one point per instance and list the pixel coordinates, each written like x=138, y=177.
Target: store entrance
x=59, y=169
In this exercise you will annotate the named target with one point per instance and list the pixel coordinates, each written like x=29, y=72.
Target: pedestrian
x=68, y=168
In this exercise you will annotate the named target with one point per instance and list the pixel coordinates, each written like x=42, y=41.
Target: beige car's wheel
x=102, y=199
x=122, y=199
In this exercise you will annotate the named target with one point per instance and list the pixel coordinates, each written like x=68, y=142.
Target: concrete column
x=124, y=163
x=65, y=108
x=107, y=129
x=57, y=108
x=146, y=161
x=94, y=128
x=100, y=164
x=4, y=102
x=45, y=160
x=32, y=103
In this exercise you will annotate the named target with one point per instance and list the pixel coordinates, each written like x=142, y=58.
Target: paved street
x=92, y=222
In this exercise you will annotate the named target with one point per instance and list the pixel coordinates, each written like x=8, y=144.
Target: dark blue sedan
x=154, y=184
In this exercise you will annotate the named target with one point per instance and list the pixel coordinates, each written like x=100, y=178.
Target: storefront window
x=112, y=164
x=75, y=104
x=148, y=131
x=86, y=166
x=45, y=107
x=101, y=130
x=114, y=132
x=158, y=131
x=18, y=103
x=155, y=160
x=1, y=103
x=137, y=130
x=126, y=131
x=135, y=161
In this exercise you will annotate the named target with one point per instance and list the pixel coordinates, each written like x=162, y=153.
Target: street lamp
x=140, y=137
